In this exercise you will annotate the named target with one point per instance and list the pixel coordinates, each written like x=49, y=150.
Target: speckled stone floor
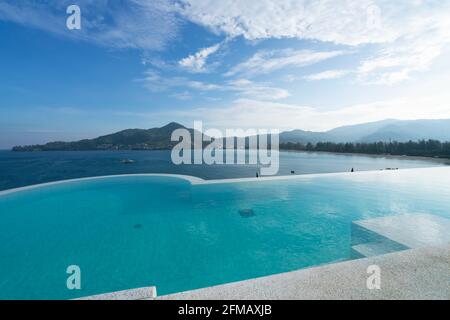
x=421, y=273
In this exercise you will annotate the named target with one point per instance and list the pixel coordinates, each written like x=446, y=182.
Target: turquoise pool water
x=135, y=231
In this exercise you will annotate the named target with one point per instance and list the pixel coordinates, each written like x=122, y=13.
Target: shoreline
x=386, y=156
x=370, y=155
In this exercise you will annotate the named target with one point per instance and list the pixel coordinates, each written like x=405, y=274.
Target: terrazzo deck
x=422, y=273
x=145, y=293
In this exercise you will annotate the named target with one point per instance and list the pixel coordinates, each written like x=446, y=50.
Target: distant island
x=130, y=139
x=390, y=137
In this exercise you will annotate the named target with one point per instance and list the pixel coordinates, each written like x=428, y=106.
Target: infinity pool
x=179, y=234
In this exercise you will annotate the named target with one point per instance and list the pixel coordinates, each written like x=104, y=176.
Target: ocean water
x=128, y=232
x=22, y=169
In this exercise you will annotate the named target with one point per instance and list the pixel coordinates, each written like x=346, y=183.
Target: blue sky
x=282, y=64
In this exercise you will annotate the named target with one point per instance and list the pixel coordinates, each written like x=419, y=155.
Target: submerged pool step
x=374, y=249
x=383, y=235
x=410, y=230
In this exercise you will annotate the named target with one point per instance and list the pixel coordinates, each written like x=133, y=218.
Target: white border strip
x=313, y=175
x=191, y=179
x=199, y=181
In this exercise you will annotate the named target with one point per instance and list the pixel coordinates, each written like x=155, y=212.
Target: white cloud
x=185, y=95
x=424, y=37
x=327, y=75
x=341, y=21
x=289, y=78
x=254, y=90
x=409, y=35
x=199, y=85
x=242, y=87
x=249, y=113
x=413, y=53
x=196, y=62
x=430, y=101
x=140, y=24
x=264, y=61
x=155, y=82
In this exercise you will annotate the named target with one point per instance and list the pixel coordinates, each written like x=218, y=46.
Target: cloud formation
x=196, y=62
x=251, y=113
x=409, y=35
x=340, y=21
x=155, y=82
x=264, y=62
x=416, y=51
x=327, y=75
x=139, y=24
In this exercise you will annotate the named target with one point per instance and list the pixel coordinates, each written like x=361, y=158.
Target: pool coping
x=312, y=175
x=413, y=274
x=190, y=179
x=144, y=293
x=420, y=273
x=199, y=181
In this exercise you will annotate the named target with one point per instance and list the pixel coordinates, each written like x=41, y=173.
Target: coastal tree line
x=422, y=148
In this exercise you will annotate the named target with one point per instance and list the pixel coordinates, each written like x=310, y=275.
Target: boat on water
x=127, y=161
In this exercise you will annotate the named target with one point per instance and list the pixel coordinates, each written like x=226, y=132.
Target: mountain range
x=385, y=131
x=159, y=138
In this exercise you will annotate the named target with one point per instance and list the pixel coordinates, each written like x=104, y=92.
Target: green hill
x=130, y=139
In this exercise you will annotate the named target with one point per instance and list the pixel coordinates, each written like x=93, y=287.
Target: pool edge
x=199, y=181
x=411, y=274
x=191, y=179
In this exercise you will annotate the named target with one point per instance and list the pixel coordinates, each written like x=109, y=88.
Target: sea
x=18, y=169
